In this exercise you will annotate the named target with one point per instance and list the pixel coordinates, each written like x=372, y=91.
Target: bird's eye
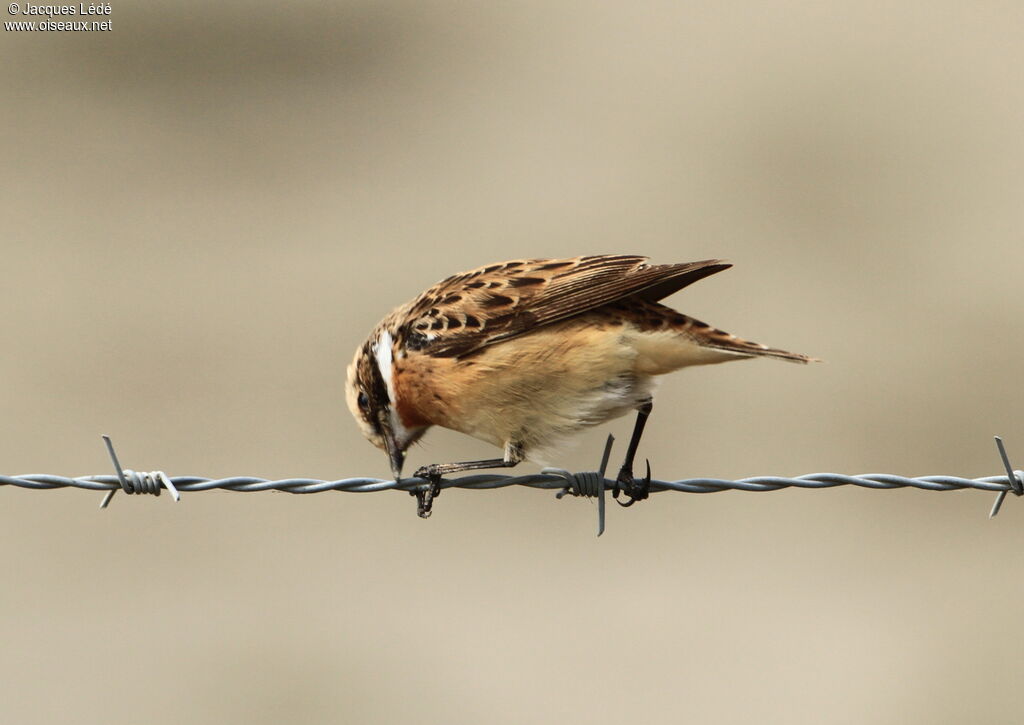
x=364, y=402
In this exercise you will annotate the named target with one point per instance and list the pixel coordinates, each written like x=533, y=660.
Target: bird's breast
x=542, y=385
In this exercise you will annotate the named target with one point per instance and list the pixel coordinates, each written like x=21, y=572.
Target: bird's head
x=370, y=393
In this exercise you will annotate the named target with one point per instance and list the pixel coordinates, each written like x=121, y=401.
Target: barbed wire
x=589, y=483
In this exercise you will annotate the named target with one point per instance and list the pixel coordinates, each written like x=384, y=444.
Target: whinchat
x=525, y=353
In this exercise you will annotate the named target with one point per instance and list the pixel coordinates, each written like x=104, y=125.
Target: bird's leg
x=434, y=472
x=636, y=490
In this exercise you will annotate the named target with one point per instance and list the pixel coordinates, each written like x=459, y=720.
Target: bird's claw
x=425, y=495
x=636, y=490
x=428, y=472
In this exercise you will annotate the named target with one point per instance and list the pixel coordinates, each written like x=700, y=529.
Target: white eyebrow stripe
x=382, y=354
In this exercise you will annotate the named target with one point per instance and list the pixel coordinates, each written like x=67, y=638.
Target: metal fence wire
x=591, y=484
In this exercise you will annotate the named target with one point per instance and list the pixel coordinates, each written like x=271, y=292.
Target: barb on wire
x=588, y=484
x=1014, y=477
x=134, y=482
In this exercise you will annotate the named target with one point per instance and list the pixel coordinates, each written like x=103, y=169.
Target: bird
x=526, y=353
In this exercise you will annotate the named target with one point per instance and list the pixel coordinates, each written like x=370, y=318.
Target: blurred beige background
x=207, y=209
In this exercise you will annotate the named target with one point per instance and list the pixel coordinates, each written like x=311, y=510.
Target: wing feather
x=469, y=311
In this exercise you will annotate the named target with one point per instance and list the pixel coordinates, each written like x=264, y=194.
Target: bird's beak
x=395, y=453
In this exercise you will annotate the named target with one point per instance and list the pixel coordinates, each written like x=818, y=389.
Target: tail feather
x=749, y=349
x=702, y=343
x=711, y=337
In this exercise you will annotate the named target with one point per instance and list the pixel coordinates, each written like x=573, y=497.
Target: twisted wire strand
x=591, y=484
x=482, y=482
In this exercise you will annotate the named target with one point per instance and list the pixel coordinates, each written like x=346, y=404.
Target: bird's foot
x=636, y=490
x=425, y=496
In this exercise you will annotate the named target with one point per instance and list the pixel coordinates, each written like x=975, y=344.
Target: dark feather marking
x=524, y=281
x=497, y=301
x=416, y=341
x=376, y=388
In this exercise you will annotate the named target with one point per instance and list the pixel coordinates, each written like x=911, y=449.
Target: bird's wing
x=487, y=305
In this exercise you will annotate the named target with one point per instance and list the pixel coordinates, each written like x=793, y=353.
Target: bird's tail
x=711, y=337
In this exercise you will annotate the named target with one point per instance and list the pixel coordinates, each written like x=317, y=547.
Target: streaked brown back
x=498, y=302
